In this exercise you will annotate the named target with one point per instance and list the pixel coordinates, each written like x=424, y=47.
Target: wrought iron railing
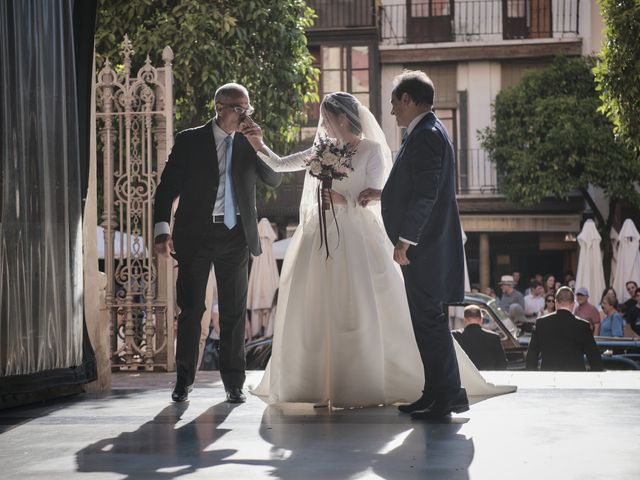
x=476, y=173
x=477, y=20
x=343, y=13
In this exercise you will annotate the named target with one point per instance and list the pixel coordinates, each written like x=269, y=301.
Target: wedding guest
x=608, y=292
x=560, y=340
x=534, y=302
x=634, y=314
x=516, y=314
x=482, y=346
x=629, y=305
x=489, y=291
x=516, y=280
x=612, y=324
x=550, y=284
x=587, y=311
x=549, y=304
x=509, y=293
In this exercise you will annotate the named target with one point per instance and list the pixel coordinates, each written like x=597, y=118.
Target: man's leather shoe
x=422, y=403
x=180, y=393
x=441, y=409
x=235, y=395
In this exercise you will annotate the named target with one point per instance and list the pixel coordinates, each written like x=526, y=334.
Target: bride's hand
x=337, y=198
x=368, y=195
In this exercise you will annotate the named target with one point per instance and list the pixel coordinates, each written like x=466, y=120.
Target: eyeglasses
x=239, y=109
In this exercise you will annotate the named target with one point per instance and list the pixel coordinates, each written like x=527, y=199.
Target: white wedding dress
x=343, y=331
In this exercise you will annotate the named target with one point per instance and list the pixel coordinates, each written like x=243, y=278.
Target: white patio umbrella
x=263, y=279
x=615, y=243
x=590, y=272
x=628, y=264
x=136, y=246
x=280, y=248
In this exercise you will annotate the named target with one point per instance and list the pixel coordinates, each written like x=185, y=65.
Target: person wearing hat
x=509, y=294
x=586, y=310
x=560, y=340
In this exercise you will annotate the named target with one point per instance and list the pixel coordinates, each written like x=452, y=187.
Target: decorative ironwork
x=135, y=130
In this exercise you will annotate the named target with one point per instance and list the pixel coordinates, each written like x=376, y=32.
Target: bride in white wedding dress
x=343, y=332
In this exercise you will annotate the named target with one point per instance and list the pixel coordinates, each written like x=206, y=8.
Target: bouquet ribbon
x=322, y=214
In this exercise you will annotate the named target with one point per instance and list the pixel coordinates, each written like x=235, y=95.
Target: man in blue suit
x=421, y=217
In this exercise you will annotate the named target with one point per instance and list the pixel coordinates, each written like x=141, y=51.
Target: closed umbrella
x=628, y=262
x=263, y=279
x=590, y=271
x=615, y=242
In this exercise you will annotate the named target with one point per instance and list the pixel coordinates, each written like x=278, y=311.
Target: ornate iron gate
x=135, y=132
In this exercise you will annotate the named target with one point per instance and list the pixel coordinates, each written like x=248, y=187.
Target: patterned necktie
x=229, y=197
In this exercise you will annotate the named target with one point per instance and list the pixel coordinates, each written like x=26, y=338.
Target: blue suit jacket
x=419, y=204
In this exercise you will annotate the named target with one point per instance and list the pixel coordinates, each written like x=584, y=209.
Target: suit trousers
x=227, y=250
x=431, y=328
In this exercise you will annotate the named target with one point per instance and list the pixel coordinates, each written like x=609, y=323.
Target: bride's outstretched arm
x=290, y=163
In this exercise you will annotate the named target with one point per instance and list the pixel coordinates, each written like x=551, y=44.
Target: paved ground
x=557, y=426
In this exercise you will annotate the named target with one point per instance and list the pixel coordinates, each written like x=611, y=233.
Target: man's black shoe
x=422, y=403
x=439, y=409
x=180, y=393
x=235, y=395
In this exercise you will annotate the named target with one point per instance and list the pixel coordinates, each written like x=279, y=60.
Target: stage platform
x=556, y=426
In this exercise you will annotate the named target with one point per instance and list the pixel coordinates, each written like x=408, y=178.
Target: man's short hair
x=231, y=91
x=565, y=295
x=416, y=84
x=472, y=311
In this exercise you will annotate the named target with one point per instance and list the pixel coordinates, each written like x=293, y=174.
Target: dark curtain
x=46, y=50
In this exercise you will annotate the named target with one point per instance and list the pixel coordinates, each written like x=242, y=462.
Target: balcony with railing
x=436, y=21
x=477, y=175
x=340, y=14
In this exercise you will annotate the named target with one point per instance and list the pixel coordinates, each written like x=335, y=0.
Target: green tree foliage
x=548, y=139
x=259, y=43
x=618, y=69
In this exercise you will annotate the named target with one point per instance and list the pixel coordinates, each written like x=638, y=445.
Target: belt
x=220, y=218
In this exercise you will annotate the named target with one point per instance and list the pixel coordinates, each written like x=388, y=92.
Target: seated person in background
x=516, y=315
x=634, y=317
x=509, y=294
x=560, y=340
x=612, y=324
x=629, y=308
x=534, y=302
x=482, y=346
x=586, y=311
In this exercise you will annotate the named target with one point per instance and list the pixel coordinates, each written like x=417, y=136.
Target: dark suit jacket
x=419, y=204
x=191, y=173
x=562, y=340
x=482, y=346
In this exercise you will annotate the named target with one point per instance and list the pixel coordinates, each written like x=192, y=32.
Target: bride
x=343, y=333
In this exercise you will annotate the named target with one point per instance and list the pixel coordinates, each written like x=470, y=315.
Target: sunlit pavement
x=557, y=426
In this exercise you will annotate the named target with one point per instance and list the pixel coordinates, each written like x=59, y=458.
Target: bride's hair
x=341, y=102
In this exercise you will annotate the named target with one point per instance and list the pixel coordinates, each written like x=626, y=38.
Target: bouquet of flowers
x=329, y=161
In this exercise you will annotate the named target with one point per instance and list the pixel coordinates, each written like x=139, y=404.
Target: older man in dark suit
x=482, y=346
x=560, y=340
x=213, y=169
x=421, y=218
